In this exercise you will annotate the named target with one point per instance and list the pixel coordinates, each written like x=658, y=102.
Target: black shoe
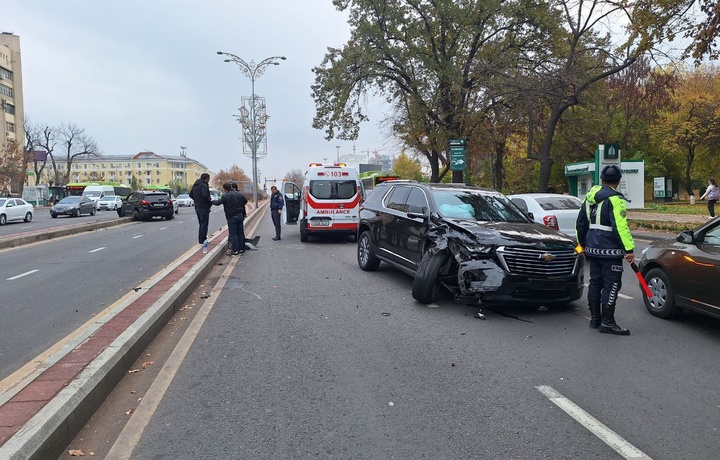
x=277, y=238
x=608, y=324
x=595, y=316
x=234, y=253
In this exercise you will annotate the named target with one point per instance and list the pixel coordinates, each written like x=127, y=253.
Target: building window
x=139, y=165
x=5, y=74
x=148, y=181
x=9, y=108
x=85, y=166
x=9, y=127
x=6, y=90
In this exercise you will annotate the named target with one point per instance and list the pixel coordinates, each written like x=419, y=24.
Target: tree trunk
x=688, y=168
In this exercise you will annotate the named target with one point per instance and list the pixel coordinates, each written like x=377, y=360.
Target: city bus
x=370, y=179
x=77, y=188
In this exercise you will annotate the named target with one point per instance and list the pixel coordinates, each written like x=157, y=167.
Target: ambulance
x=328, y=203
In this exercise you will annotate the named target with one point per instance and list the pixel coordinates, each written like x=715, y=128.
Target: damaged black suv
x=473, y=242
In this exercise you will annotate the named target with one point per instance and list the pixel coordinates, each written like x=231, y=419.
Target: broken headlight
x=469, y=251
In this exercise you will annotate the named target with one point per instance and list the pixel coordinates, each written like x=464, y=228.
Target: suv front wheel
x=426, y=287
x=365, y=254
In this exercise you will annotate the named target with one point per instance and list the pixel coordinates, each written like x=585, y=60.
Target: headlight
x=645, y=249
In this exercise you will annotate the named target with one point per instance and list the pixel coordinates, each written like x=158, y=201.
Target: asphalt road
x=43, y=221
x=52, y=287
x=303, y=355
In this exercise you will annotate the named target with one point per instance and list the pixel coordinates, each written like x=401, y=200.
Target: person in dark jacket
x=200, y=193
x=276, y=204
x=603, y=233
x=234, y=205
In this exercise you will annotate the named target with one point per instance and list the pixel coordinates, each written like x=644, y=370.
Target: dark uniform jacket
x=602, y=228
x=276, y=201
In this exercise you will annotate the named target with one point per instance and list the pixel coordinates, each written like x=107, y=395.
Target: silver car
x=184, y=200
x=15, y=209
x=109, y=203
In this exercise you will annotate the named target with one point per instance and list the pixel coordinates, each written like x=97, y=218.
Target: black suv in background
x=147, y=204
x=473, y=242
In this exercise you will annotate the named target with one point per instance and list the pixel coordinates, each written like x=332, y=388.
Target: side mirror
x=686, y=237
x=417, y=212
x=531, y=215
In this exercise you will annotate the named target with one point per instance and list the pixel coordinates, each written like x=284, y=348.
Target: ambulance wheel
x=303, y=235
x=366, y=254
x=426, y=287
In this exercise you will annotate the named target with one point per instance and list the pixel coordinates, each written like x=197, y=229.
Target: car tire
x=53, y=215
x=662, y=304
x=78, y=213
x=303, y=233
x=426, y=288
x=170, y=216
x=28, y=217
x=366, y=254
x=3, y=219
x=119, y=212
x=92, y=212
x=137, y=215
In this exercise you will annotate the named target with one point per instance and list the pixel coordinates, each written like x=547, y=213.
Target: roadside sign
x=458, y=159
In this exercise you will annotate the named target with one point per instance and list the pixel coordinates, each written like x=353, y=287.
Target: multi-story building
x=11, y=104
x=147, y=168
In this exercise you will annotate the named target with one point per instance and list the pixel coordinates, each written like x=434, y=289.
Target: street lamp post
x=254, y=128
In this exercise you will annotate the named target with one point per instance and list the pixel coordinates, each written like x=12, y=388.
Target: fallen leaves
x=76, y=453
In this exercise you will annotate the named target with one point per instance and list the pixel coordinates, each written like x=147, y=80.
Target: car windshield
x=108, y=198
x=70, y=200
x=184, y=196
x=91, y=194
x=476, y=206
x=3, y=201
x=551, y=203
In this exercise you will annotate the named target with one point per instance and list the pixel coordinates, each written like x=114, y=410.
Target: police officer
x=603, y=232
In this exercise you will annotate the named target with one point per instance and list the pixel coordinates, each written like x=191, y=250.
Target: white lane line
x=137, y=236
x=163, y=228
x=593, y=425
x=23, y=274
x=98, y=249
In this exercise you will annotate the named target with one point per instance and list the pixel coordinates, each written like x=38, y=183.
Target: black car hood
x=502, y=233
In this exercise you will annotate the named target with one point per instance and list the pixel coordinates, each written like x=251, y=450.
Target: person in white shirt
x=712, y=194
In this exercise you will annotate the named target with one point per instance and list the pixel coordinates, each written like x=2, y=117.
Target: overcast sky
x=144, y=75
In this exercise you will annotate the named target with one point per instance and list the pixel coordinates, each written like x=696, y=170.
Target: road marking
x=163, y=228
x=98, y=249
x=21, y=275
x=593, y=425
x=130, y=436
x=137, y=236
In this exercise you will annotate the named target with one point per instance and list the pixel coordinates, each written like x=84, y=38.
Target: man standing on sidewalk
x=276, y=206
x=200, y=193
x=603, y=233
x=234, y=205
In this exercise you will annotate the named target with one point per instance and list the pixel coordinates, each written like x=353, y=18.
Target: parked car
x=109, y=203
x=15, y=209
x=552, y=209
x=73, y=206
x=184, y=200
x=176, y=205
x=473, y=242
x=683, y=273
x=147, y=204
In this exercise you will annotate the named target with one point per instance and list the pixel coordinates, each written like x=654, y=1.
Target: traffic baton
x=640, y=278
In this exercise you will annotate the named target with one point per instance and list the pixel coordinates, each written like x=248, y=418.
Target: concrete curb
x=48, y=431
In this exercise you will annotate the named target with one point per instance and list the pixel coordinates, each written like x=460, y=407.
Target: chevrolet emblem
x=547, y=257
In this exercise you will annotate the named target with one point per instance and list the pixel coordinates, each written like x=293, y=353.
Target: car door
x=414, y=228
x=700, y=273
x=291, y=210
x=12, y=209
x=390, y=241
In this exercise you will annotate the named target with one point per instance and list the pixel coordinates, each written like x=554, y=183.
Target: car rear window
x=333, y=189
x=559, y=202
x=155, y=197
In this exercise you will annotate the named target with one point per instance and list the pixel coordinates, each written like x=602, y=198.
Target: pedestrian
x=712, y=194
x=200, y=193
x=603, y=233
x=233, y=203
x=276, y=206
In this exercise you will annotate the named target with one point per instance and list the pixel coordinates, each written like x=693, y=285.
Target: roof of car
x=443, y=185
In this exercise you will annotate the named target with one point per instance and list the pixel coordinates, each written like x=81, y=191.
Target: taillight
x=551, y=221
x=144, y=202
x=307, y=193
x=362, y=198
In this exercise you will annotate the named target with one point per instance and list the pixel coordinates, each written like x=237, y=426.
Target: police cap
x=611, y=174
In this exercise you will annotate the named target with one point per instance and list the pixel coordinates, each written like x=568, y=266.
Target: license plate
x=158, y=204
x=320, y=223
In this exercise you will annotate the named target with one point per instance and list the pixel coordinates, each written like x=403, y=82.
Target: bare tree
x=75, y=142
x=295, y=175
x=33, y=141
x=47, y=140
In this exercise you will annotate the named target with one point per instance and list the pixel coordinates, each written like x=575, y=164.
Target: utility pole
x=338, y=153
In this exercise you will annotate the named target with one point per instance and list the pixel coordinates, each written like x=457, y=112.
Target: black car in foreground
x=74, y=206
x=683, y=273
x=144, y=205
x=473, y=242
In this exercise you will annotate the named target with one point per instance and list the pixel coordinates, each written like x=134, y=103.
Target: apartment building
x=12, y=128
x=148, y=168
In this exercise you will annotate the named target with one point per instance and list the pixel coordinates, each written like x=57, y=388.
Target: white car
x=184, y=200
x=552, y=209
x=109, y=203
x=15, y=209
